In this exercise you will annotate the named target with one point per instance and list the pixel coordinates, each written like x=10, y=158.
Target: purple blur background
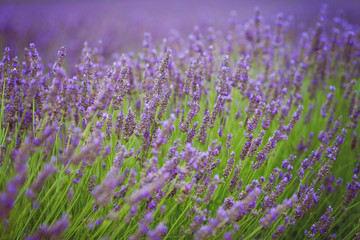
x=121, y=24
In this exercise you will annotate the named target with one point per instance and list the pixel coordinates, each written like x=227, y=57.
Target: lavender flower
x=191, y=133
x=51, y=232
x=325, y=108
x=229, y=166
x=202, y=131
x=272, y=215
x=129, y=125
x=323, y=225
x=36, y=186
x=351, y=192
x=119, y=124
x=158, y=232
x=228, y=140
x=2, y=154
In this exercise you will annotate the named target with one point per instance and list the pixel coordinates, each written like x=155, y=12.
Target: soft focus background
x=121, y=24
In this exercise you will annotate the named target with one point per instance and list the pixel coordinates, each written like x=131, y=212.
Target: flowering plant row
x=241, y=134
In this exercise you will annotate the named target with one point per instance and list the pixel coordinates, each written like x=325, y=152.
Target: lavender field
x=180, y=120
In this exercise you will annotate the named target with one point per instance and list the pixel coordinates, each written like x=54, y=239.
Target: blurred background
x=121, y=24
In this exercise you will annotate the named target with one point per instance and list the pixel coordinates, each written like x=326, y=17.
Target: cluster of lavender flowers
x=231, y=134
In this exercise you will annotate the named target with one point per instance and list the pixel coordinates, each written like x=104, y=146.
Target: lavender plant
x=232, y=134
